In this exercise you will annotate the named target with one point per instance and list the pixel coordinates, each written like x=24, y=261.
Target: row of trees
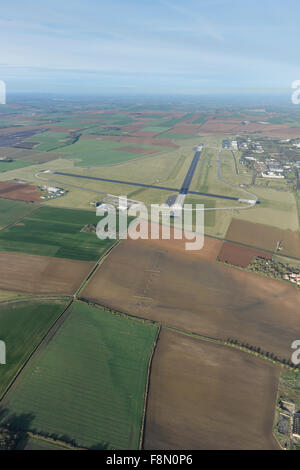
x=267, y=354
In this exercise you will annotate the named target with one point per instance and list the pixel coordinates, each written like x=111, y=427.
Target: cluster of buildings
x=289, y=420
x=243, y=145
x=292, y=277
x=269, y=168
x=257, y=147
x=121, y=204
x=274, y=169
x=226, y=144
x=296, y=425
x=51, y=192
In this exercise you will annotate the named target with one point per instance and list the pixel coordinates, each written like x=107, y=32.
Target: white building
x=53, y=189
x=270, y=174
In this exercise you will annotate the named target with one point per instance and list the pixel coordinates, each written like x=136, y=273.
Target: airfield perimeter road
x=183, y=190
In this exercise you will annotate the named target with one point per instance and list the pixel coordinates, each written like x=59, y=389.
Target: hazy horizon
x=166, y=47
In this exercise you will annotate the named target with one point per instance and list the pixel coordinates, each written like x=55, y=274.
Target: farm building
x=296, y=425
x=52, y=189
x=284, y=424
x=293, y=277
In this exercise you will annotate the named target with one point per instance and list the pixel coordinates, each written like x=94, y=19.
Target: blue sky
x=149, y=46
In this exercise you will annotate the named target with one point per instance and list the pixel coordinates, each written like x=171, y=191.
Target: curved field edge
x=99, y=362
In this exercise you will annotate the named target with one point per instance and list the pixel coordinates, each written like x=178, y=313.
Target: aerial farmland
x=141, y=344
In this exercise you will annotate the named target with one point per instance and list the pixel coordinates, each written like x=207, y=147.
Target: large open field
x=56, y=232
x=41, y=274
x=88, y=383
x=10, y=211
x=22, y=326
x=20, y=192
x=231, y=125
x=265, y=237
x=276, y=208
x=191, y=291
x=94, y=152
x=207, y=396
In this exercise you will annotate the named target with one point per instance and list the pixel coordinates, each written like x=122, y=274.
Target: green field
x=276, y=208
x=88, y=384
x=101, y=152
x=157, y=129
x=22, y=326
x=50, y=140
x=56, y=232
x=10, y=211
x=209, y=215
x=14, y=165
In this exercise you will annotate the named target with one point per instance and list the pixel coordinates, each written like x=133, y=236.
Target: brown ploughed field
x=265, y=237
x=236, y=126
x=41, y=274
x=191, y=291
x=240, y=255
x=208, y=396
x=20, y=192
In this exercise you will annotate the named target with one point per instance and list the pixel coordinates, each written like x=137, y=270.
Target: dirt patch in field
x=265, y=237
x=207, y=396
x=19, y=192
x=240, y=255
x=190, y=291
x=41, y=274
